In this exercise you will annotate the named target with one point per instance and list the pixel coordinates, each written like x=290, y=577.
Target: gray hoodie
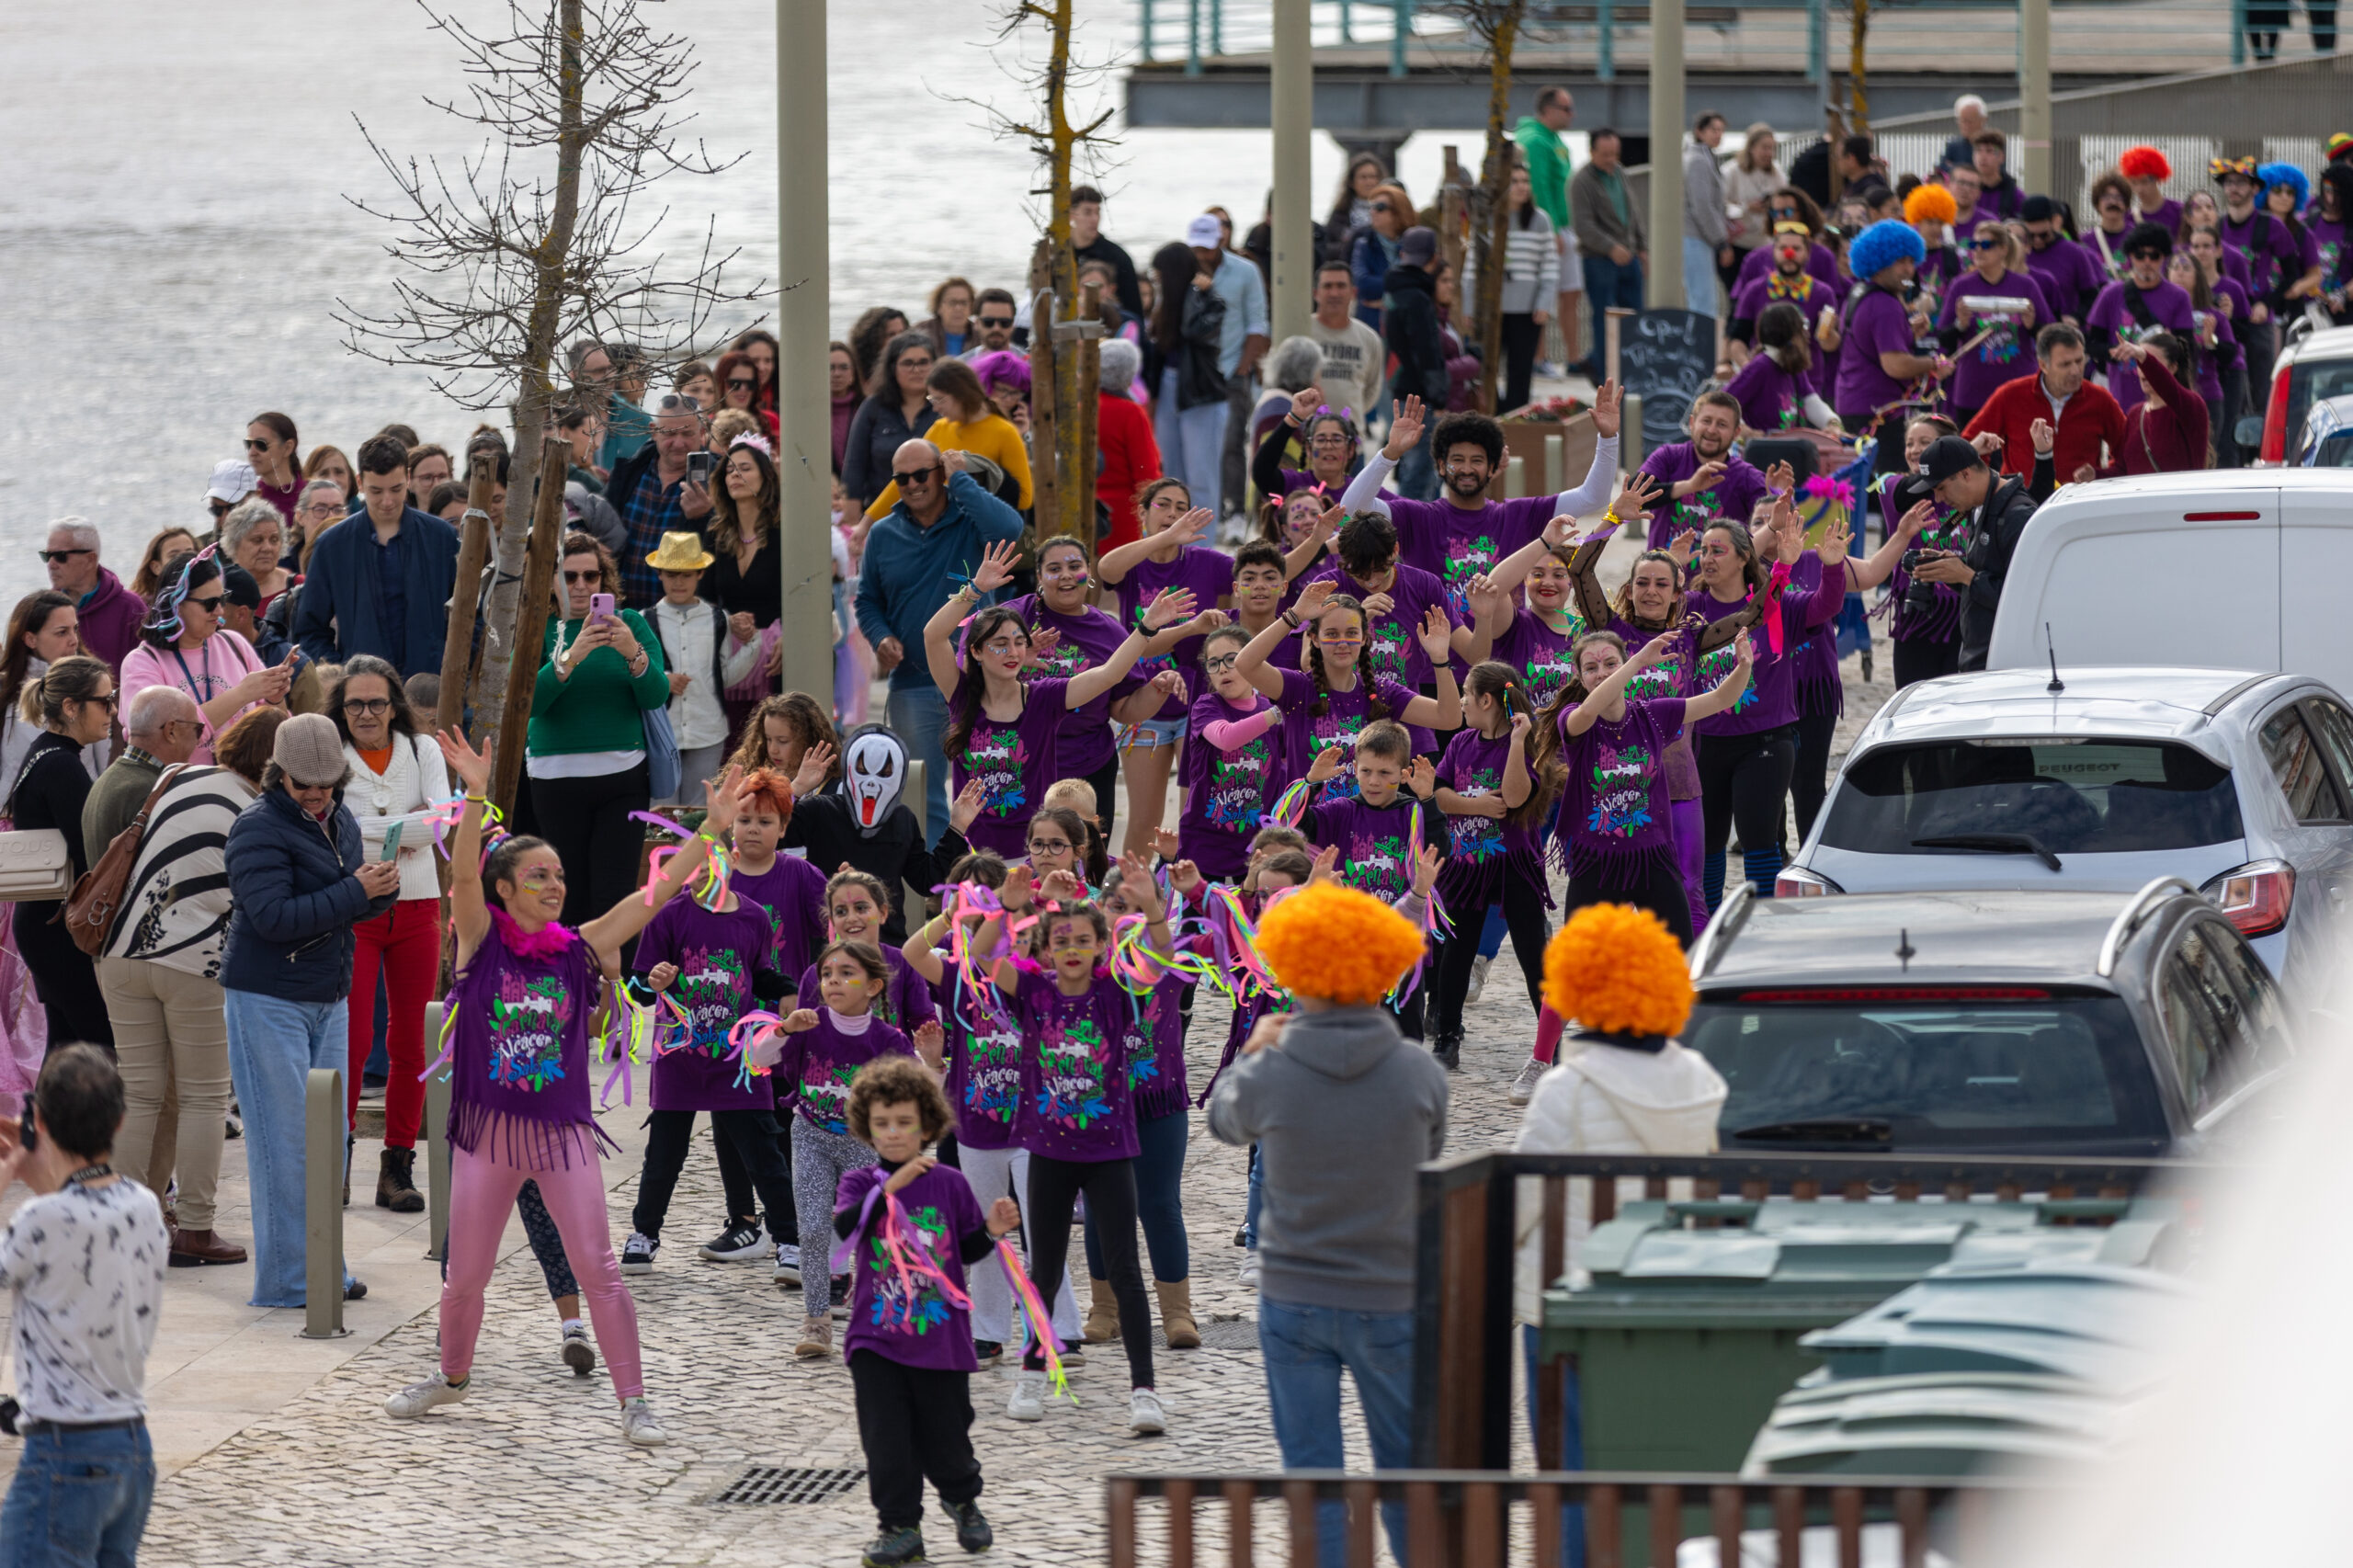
x=1343, y=1110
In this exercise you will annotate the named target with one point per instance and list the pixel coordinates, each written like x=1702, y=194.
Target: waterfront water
x=175, y=229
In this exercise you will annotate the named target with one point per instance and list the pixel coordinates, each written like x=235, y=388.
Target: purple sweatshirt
x=1074, y=1099
x=718, y=955
x=818, y=1066
x=902, y=1316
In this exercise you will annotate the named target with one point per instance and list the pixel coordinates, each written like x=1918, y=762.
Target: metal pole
x=1664, y=289
x=1400, y=28
x=1294, y=105
x=1193, y=38
x=1144, y=41
x=2238, y=32
x=1816, y=46
x=1605, y=44
x=804, y=398
x=323, y=1153
x=2034, y=93
x=436, y=1142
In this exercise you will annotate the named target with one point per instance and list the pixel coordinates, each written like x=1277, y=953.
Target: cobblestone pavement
x=531, y=1468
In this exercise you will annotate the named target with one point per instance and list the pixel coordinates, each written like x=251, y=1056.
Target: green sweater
x=1548, y=168
x=600, y=708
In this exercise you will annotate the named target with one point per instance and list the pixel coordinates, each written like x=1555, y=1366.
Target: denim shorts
x=1152, y=733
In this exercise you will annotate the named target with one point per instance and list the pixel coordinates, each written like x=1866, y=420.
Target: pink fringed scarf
x=546, y=942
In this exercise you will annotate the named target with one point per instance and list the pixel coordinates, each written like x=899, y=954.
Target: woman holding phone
x=181, y=645
x=585, y=749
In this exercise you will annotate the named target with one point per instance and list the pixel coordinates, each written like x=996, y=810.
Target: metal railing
x=1465, y=1223
x=1476, y=1519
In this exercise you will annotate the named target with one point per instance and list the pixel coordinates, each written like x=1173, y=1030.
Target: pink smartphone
x=600, y=607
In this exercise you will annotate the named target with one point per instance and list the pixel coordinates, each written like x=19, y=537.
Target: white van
x=2236, y=569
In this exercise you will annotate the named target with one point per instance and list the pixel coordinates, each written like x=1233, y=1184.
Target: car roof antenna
x=1904, y=951
x=2056, y=684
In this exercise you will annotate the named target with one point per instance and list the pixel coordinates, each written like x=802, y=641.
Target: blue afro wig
x=1883, y=245
x=2288, y=174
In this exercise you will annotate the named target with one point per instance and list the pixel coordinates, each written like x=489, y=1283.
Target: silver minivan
x=2101, y=780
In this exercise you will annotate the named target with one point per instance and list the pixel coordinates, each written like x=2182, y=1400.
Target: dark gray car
x=1989, y=1021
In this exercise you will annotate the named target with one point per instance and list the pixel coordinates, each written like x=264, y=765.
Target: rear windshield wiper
x=1999, y=842
x=1823, y=1129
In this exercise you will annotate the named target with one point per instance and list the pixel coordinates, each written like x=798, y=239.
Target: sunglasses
x=1986, y=242
x=367, y=705
x=595, y=576
x=60, y=557
x=746, y=383
x=109, y=701
x=211, y=606
x=996, y=321
x=914, y=476
x=253, y=445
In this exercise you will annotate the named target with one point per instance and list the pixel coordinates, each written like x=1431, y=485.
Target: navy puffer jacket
x=294, y=901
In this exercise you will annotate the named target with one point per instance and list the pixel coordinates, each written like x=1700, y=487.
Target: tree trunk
x=1859, y=110
x=1070, y=452
x=1495, y=182
x=1088, y=353
x=536, y=600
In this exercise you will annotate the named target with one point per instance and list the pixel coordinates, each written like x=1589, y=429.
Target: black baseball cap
x=1946, y=455
x=237, y=585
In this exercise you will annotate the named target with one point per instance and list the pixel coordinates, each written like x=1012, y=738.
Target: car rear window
x=1929, y=1068
x=2109, y=796
x=2309, y=380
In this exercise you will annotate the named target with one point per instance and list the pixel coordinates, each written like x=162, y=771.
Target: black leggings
x=1521, y=336
x=1918, y=659
x=587, y=822
x=1660, y=890
x=1524, y=918
x=750, y=1135
x=915, y=1422
x=1743, y=781
x=1810, y=780
x=1110, y=1188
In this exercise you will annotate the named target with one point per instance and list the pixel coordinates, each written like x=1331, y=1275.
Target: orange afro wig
x=1618, y=968
x=1930, y=203
x=2143, y=163
x=1338, y=945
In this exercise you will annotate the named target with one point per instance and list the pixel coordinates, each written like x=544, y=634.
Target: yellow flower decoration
x=1338, y=945
x=1618, y=968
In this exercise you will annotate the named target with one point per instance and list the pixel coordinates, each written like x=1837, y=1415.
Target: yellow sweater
x=992, y=436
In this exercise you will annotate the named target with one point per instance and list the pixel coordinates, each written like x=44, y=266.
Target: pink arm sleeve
x=1232, y=734
x=1822, y=606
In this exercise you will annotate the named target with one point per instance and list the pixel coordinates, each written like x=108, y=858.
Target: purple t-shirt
x=2166, y=215
x=1734, y=496
x=1876, y=324
x=1306, y=731
x=1539, y=653
x=1017, y=761
x=1376, y=842
x=1819, y=262
x=1812, y=651
x=1939, y=623
x=900, y=1314
x=1207, y=575
x=2210, y=359
x=2329, y=248
x=905, y=1003
x=1155, y=1049
x=1453, y=544
x=1075, y=1098
x=2169, y=307
x=2106, y=253
x=1082, y=641
x=2008, y=352
x=1473, y=768
x=2070, y=276
x=1673, y=675
x=984, y=1058
x=1770, y=700
x=1393, y=647
x=793, y=892
x=2274, y=259
x=520, y=1051
x=717, y=955
x=1614, y=816
x=1227, y=793
x=819, y=1064
x=1758, y=294
x=1771, y=400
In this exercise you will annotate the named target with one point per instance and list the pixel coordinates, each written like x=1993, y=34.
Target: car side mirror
x=2248, y=432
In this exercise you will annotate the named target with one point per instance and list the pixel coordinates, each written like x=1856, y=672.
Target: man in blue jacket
x=379, y=580
x=920, y=551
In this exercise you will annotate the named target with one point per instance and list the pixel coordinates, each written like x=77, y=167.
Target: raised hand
x=965, y=809
x=1060, y=887
x=800, y=1020
x=1140, y=891
x=1654, y=650
x=1682, y=547
x=723, y=799
x=1636, y=497
x=1920, y=517
x=1521, y=726
x=1378, y=605
x=471, y=767
x=1436, y=634
x=1164, y=843
x=1041, y=643
x=660, y=976
x=1305, y=401
x=1780, y=477
x=899, y=1178
x=1017, y=894
x=1707, y=477
x=1186, y=878
x=1427, y=861
x=929, y=1042
x=1486, y=598
x=1986, y=444
x=1835, y=539
x=1325, y=868
x=816, y=767
x=1310, y=603
x=1208, y=620
x=1608, y=398
x=1325, y=767
x=997, y=566
x=1406, y=429
x=1170, y=607
x=1189, y=527
x=1168, y=683
x=1421, y=778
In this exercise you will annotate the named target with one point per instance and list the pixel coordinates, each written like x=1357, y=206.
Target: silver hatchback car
x=2240, y=784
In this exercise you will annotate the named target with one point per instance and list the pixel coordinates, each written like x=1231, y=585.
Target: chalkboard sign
x=1665, y=357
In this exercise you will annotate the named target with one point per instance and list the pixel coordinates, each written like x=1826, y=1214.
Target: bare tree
x=540, y=239
x=1495, y=24
x=1859, y=108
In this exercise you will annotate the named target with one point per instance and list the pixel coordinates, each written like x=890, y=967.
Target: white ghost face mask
x=874, y=767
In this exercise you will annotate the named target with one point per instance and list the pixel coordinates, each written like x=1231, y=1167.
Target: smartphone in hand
x=701, y=465
x=600, y=607
x=392, y=841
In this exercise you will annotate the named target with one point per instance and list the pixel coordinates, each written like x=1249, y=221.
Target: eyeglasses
x=321, y=509
x=1050, y=847
x=253, y=445
x=1218, y=664
x=746, y=381
x=368, y=705
x=60, y=557
x=996, y=321
x=914, y=476
x=595, y=576
x=211, y=606
x=1328, y=440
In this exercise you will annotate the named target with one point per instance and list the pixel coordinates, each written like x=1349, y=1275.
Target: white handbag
x=33, y=861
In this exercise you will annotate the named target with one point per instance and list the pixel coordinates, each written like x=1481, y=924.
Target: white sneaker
x=1477, y=979
x=788, y=1263
x=1523, y=1089
x=639, y=1426
x=1248, y=1274
x=1144, y=1413
x=637, y=1254
x=578, y=1354
x=1028, y=1401
x=417, y=1398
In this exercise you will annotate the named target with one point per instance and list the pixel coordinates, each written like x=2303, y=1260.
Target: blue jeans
x=1192, y=443
x=273, y=1045
x=1160, y=1200
x=1571, y=1443
x=919, y=716
x=1607, y=284
x=1304, y=1348
x=79, y=1497
x=1698, y=276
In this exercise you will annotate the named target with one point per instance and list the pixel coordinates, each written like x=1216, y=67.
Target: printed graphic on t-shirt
x=824, y=1093
x=711, y=989
x=1144, y=1048
x=1237, y=782
x=1465, y=559
x=1073, y=1063
x=904, y=1301
x=1719, y=662
x=994, y=754
x=527, y=1025
x=1379, y=864
x=1063, y=660
x=992, y=1073
x=1340, y=730
x=1653, y=682
x=1478, y=838
x=1387, y=646
x=1622, y=789
x=1548, y=674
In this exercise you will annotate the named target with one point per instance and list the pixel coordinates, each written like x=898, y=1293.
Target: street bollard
x=436, y=1139
x=1556, y=463
x=912, y=793
x=1630, y=432
x=1514, y=477
x=322, y=1155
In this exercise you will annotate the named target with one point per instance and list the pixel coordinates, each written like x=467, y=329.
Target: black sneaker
x=896, y=1548
x=637, y=1252
x=973, y=1532
x=988, y=1352
x=1448, y=1049
x=840, y=1295
x=739, y=1242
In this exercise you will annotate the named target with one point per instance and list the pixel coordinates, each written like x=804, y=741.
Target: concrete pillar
x=2034, y=95
x=1294, y=116
x=804, y=398
x=1663, y=287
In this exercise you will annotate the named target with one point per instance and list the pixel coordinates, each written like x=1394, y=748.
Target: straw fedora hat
x=680, y=553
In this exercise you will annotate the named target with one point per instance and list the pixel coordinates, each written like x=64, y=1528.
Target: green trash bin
x=1686, y=1336
x=2097, y=1322
x=1934, y=1425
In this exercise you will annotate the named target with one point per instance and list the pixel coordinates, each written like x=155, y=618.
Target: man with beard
x=1704, y=479
x=2140, y=303
x=993, y=317
x=1790, y=278
x=2070, y=280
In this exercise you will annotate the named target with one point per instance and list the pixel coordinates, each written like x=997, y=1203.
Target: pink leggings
x=482, y=1189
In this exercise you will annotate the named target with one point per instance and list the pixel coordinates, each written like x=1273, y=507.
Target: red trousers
x=405, y=943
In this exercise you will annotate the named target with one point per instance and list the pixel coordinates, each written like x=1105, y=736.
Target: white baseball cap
x=232, y=481
x=1205, y=233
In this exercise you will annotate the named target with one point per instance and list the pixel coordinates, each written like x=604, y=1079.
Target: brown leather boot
x=1177, y=1314
x=1102, y=1323
x=196, y=1249
x=396, y=1182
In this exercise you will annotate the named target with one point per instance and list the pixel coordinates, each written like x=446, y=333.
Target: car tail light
x=2275, y=419
x=2256, y=896
x=1904, y=994
x=1796, y=881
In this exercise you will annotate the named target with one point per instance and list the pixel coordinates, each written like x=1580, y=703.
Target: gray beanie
x=308, y=751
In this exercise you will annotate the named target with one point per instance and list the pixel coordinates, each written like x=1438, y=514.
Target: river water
x=176, y=225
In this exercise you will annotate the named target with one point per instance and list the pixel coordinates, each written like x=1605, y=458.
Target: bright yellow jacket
x=992, y=436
